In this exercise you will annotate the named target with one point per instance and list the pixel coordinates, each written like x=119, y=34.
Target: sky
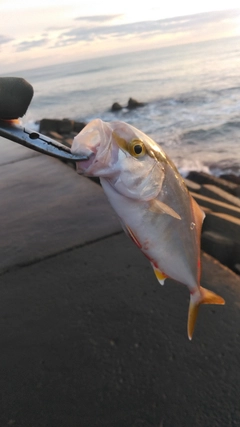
x=35, y=34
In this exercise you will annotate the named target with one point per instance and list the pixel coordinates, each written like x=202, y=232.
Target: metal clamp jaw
x=37, y=141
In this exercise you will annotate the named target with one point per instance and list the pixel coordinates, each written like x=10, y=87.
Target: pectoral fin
x=206, y=297
x=159, y=207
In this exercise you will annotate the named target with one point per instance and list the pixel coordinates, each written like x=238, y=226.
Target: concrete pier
x=88, y=337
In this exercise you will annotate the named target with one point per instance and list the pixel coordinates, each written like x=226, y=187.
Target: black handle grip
x=15, y=97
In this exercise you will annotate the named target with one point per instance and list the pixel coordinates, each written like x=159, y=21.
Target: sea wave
x=191, y=95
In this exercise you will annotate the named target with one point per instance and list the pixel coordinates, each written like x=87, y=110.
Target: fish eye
x=137, y=148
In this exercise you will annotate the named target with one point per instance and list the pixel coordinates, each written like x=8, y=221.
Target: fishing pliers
x=15, y=96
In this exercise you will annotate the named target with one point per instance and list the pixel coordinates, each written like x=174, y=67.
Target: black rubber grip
x=15, y=97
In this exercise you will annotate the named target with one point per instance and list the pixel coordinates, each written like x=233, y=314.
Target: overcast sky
x=49, y=32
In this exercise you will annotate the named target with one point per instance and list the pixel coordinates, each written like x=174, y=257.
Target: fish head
x=132, y=162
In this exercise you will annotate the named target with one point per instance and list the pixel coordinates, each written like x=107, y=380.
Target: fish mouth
x=84, y=166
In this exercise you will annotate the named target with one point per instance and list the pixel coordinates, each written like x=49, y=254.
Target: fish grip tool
x=15, y=97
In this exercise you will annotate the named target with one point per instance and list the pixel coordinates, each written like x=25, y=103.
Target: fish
x=152, y=202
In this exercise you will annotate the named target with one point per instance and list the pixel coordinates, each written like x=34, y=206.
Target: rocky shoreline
x=219, y=197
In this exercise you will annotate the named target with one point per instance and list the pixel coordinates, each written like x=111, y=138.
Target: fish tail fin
x=196, y=299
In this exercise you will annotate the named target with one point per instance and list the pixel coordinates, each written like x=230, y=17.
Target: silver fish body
x=152, y=202
x=171, y=244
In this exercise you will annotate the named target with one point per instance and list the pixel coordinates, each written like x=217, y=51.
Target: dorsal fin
x=198, y=214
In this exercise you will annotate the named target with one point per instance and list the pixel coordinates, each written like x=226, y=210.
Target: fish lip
x=84, y=166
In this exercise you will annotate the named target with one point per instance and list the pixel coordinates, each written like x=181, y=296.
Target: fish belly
x=162, y=238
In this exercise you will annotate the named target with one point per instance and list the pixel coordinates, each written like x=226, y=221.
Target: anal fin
x=160, y=275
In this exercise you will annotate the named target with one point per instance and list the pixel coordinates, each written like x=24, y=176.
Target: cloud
x=184, y=24
x=5, y=39
x=102, y=27
x=98, y=18
x=30, y=44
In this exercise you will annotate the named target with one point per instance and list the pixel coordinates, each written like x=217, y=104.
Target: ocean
x=192, y=96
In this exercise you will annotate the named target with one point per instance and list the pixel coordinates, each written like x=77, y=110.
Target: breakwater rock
x=62, y=130
x=219, y=199
x=131, y=105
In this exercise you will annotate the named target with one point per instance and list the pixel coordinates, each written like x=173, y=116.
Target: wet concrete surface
x=88, y=337
x=46, y=207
